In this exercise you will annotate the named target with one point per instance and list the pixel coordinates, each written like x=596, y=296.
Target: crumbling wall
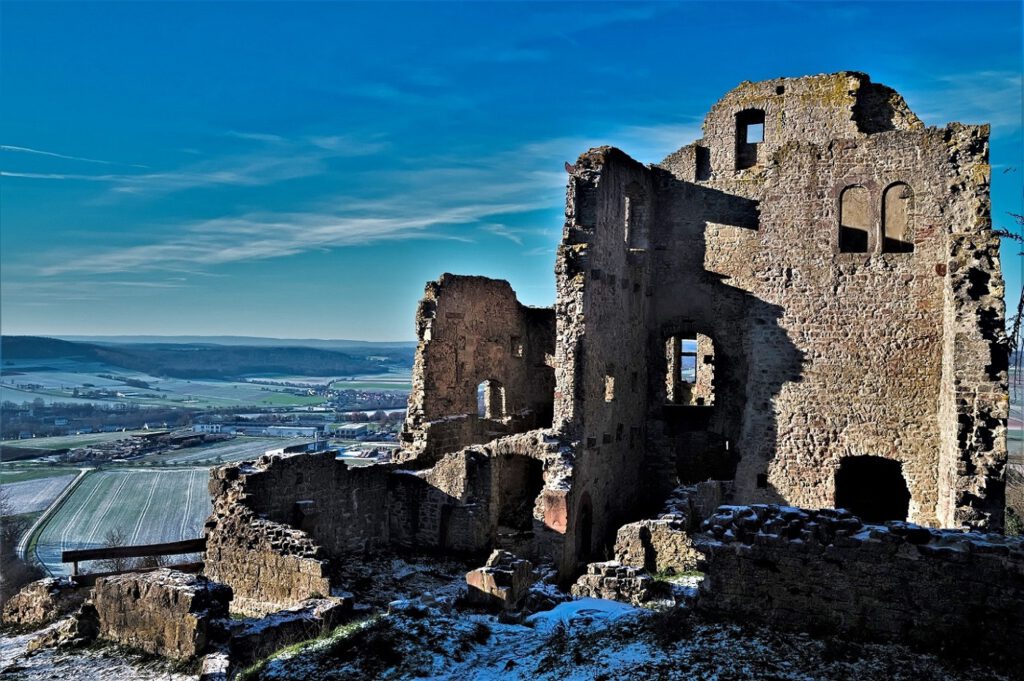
x=603, y=288
x=472, y=330
x=163, y=612
x=278, y=521
x=341, y=507
x=823, y=354
x=825, y=570
x=42, y=601
x=464, y=502
x=974, y=402
x=668, y=542
x=444, y=507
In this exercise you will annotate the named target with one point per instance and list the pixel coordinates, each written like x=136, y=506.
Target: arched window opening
x=690, y=376
x=854, y=220
x=636, y=217
x=897, y=206
x=872, y=488
x=490, y=400
x=749, y=134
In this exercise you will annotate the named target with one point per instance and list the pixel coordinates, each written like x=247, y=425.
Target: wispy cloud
x=504, y=232
x=437, y=197
x=258, y=237
x=275, y=159
x=53, y=154
x=976, y=97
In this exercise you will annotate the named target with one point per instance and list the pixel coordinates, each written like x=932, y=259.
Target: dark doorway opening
x=585, y=530
x=520, y=483
x=872, y=488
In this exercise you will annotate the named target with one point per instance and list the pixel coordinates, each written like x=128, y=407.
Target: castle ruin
x=806, y=304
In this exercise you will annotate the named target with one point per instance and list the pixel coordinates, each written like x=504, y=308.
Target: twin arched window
x=856, y=219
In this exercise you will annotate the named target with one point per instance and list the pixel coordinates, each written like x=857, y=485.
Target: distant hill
x=210, y=360
x=248, y=341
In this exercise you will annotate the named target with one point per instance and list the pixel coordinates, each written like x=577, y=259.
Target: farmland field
x=239, y=449
x=71, y=441
x=148, y=506
x=30, y=496
x=57, y=380
x=15, y=473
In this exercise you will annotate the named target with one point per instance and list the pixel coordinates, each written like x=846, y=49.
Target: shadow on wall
x=735, y=431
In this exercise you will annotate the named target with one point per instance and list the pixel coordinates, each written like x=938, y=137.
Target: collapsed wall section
x=277, y=522
x=481, y=367
x=825, y=570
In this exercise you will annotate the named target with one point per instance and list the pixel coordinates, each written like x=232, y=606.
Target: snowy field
x=148, y=506
x=31, y=496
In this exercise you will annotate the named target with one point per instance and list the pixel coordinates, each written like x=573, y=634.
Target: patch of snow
x=584, y=611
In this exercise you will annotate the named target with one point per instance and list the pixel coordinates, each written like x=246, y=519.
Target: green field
x=148, y=506
x=402, y=386
x=12, y=474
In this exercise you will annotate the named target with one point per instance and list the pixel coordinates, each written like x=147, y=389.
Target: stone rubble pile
x=502, y=583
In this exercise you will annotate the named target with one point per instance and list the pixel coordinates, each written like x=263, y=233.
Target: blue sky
x=301, y=170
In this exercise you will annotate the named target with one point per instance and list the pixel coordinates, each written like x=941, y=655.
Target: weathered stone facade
x=805, y=303
x=474, y=333
x=826, y=570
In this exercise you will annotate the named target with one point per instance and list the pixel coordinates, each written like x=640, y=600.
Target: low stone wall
x=826, y=570
x=276, y=521
x=614, y=581
x=268, y=565
x=163, y=612
x=43, y=601
x=251, y=640
x=666, y=543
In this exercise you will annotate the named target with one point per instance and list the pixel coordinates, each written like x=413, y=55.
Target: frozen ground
x=591, y=639
x=92, y=664
x=424, y=636
x=31, y=496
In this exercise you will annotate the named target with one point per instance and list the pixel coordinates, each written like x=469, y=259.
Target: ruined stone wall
x=276, y=523
x=342, y=508
x=974, y=402
x=822, y=354
x=603, y=287
x=445, y=507
x=515, y=484
x=471, y=330
x=268, y=565
x=826, y=570
x=163, y=612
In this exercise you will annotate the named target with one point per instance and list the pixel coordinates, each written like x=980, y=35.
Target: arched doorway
x=872, y=488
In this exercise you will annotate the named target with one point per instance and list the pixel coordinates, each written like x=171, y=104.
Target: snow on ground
x=423, y=635
x=591, y=639
x=96, y=663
